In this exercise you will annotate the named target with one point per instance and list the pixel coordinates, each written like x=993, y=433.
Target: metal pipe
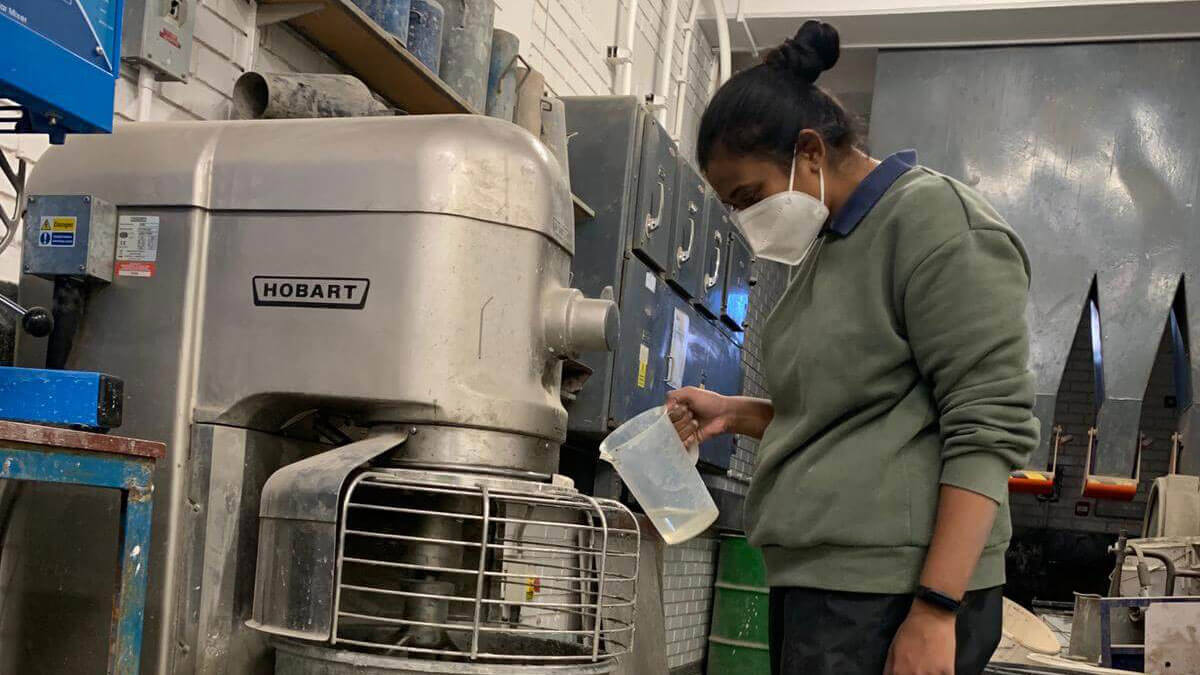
x=689, y=32
x=1169, y=583
x=145, y=97
x=303, y=95
x=666, y=47
x=723, y=48
x=741, y=18
x=625, y=67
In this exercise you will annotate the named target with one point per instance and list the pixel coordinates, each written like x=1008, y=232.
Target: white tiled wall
x=688, y=573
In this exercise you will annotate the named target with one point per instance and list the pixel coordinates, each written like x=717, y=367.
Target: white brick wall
x=688, y=574
x=567, y=39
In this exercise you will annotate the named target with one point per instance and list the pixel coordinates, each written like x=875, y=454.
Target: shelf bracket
x=278, y=13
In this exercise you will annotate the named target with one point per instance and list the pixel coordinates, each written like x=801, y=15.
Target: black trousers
x=816, y=632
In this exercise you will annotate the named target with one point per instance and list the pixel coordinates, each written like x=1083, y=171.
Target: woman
x=896, y=361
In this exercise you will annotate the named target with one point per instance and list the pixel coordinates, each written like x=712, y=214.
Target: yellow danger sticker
x=59, y=224
x=643, y=361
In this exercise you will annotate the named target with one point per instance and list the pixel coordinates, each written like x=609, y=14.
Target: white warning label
x=137, y=246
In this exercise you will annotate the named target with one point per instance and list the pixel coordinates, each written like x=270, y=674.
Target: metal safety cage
x=484, y=569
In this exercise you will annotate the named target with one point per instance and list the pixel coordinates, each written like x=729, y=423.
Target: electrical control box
x=159, y=34
x=59, y=64
x=70, y=235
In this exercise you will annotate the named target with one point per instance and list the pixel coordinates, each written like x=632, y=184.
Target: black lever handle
x=37, y=322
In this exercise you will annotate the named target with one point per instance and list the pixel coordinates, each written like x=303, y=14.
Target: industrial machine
x=351, y=334
x=1105, y=217
x=66, y=56
x=665, y=244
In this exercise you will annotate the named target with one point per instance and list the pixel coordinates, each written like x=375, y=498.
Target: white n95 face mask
x=784, y=226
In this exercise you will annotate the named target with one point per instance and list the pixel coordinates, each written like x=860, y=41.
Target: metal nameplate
x=327, y=292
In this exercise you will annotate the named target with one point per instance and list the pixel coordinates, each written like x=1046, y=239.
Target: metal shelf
x=341, y=30
x=345, y=33
x=582, y=210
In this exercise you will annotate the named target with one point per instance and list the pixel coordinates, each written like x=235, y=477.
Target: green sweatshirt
x=897, y=361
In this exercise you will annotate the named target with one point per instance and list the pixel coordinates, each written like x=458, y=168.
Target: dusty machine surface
x=380, y=307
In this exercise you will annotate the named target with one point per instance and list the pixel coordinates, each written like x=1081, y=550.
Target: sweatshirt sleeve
x=964, y=307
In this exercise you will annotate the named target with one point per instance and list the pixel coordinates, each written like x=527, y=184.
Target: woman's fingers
x=676, y=410
x=686, y=422
x=690, y=434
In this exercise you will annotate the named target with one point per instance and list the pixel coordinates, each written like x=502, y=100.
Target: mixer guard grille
x=473, y=568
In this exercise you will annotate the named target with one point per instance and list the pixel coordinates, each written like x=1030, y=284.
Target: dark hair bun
x=813, y=50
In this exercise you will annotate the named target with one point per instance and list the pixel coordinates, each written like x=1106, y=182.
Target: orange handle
x=1031, y=482
x=1114, y=489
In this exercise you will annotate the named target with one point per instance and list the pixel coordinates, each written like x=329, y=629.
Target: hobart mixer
x=350, y=333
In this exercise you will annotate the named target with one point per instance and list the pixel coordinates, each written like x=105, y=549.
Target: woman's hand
x=699, y=414
x=924, y=645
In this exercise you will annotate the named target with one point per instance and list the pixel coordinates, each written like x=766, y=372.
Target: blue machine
x=65, y=397
x=60, y=64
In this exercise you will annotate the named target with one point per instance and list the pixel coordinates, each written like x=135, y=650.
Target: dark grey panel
x=716, y=260
x=605, y=137
x=651, y=226
x=722, y=374
x=735, y=303
x=1090, y=152
x=640, y=363
x=688, y=232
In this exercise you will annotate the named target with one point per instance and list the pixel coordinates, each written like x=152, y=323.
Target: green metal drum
x=737, y=643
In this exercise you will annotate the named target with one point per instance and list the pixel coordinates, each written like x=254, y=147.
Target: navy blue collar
x=868, y=192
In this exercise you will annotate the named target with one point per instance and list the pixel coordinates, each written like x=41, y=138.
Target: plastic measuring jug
x=647, y=453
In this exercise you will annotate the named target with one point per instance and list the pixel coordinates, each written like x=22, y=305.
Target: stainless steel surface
x=463, y=449
x=575, y=324
x=1085, y=644
x=554, y=131
x=148, y=335
x=218, y=539
x=69, y=235
x=1183, y=552
x=1087, y=151
x=527, y=563
x=461, y=258
x=452, y=331
x=303, y=95
x=461, y=165
x=1173, y=638
x=303, y=659
x=298, y=548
